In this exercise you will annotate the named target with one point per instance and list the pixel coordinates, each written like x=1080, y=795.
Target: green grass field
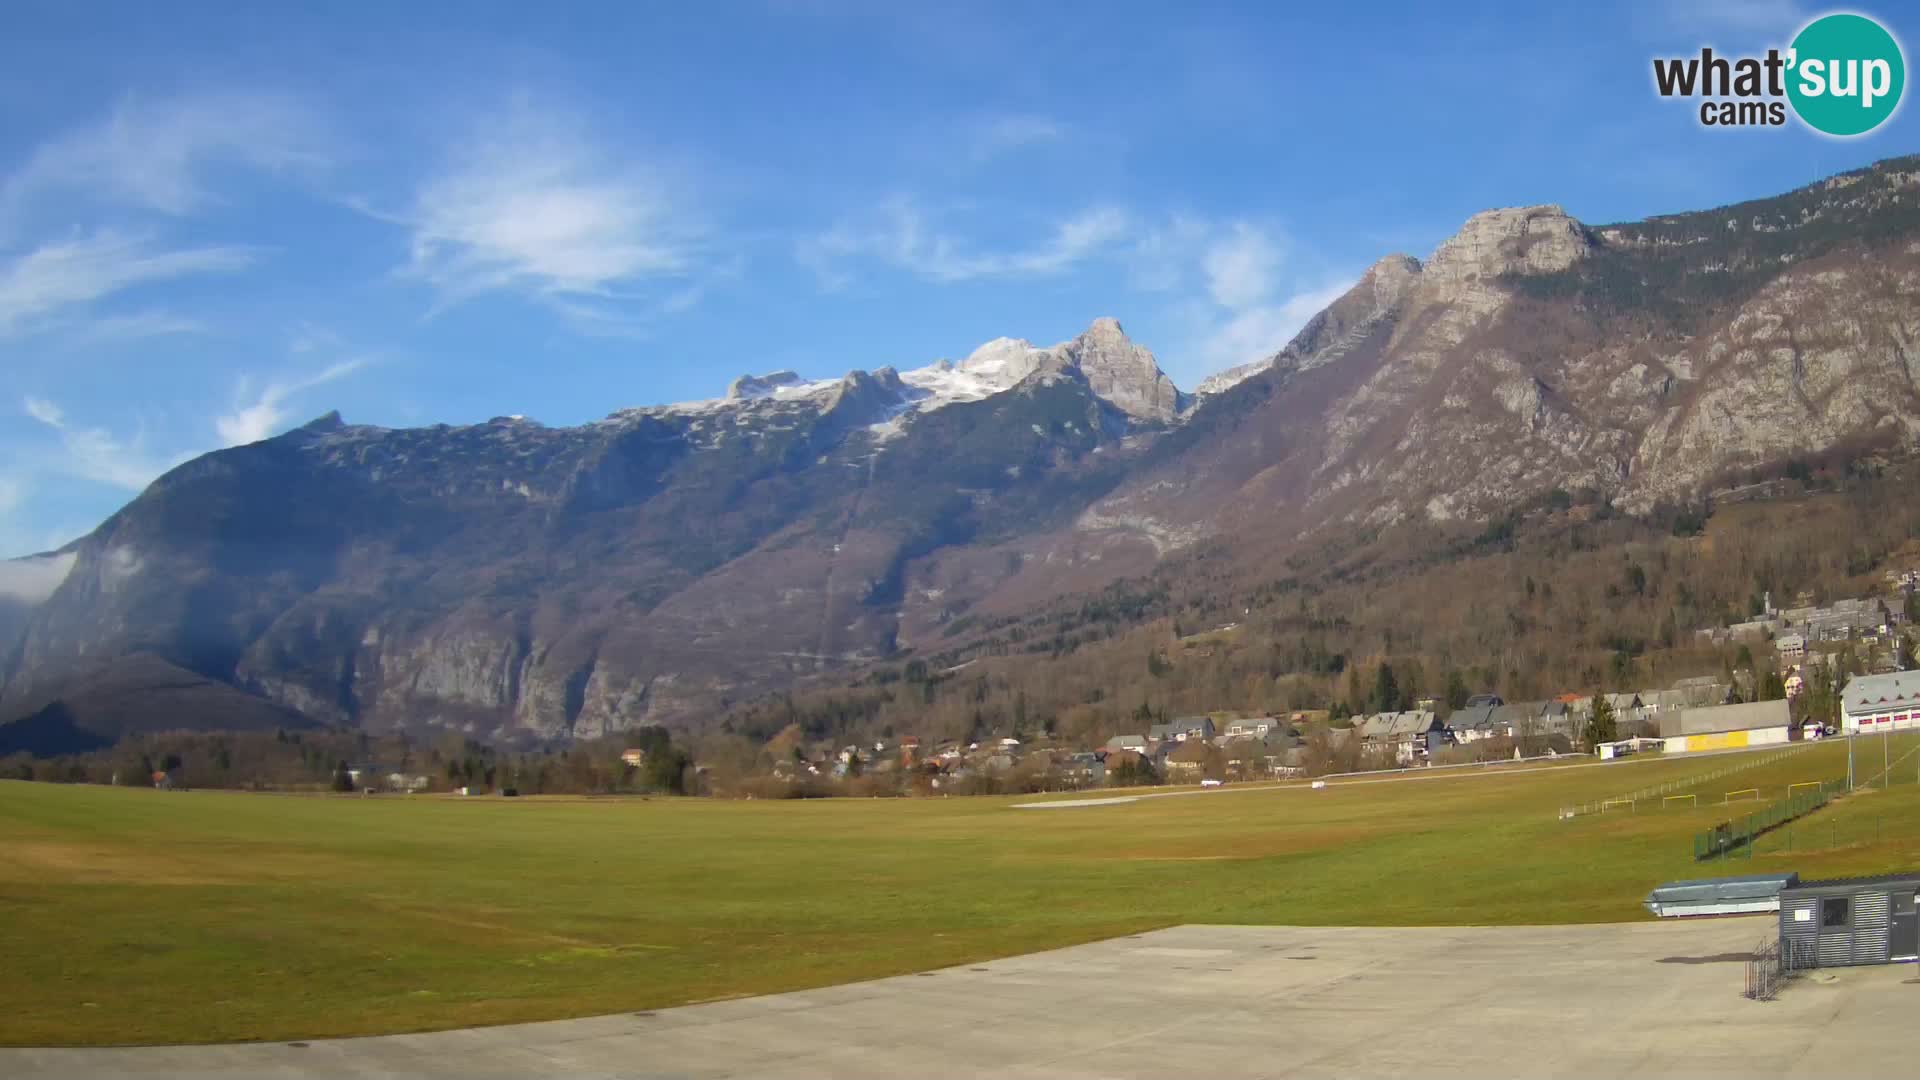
x=135, y=916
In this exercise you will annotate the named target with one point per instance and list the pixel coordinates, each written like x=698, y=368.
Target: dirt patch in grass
x=80, y=863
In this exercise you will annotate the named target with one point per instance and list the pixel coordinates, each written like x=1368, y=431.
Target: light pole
x=1850, y=737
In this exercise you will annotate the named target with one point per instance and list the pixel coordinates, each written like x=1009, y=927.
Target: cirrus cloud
x=535, y=205
x=39, y=287
x=154, y=153
x=902, y=236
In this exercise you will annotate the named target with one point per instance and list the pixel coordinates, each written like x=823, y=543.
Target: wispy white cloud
x=1238, y=297
x=154, y=153
x=989, y=137
x=900, y=235
x=97, y=454
x=536, y=205
x=136, y=326
x=44, y=411
x=41, y=286
x=261, y=409
x=1238, y=335
x=1240, y=266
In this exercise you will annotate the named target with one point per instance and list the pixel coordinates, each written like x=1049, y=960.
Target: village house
x=1193, y=760
x=1701, y=691
x=1412, y=734
x=1254, y=727
x=1473, y=723
x=1273, y=753
x=1130, y=743
x=1085, y=769
x=1179, y=731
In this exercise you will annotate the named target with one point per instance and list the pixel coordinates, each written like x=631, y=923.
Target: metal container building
x=1719, y=896
x=1845, y=921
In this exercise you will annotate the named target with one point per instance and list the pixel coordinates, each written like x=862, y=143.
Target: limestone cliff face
x=1520, y=240
x=1822, y=354
x=1530, y=352
x=1123, y=373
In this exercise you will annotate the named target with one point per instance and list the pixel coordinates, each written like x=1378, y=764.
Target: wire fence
x=1632, y=799
x=1831, y=832
x=1740, y=833
x=1764, y=972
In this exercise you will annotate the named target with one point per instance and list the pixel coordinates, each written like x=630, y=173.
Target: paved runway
x=1639, y=999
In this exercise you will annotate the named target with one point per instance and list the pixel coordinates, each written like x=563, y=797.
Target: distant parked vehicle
x=512, y=792
x=1211, y=783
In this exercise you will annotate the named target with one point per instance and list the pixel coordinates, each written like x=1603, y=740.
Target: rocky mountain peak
x=1335, y=330
x=1523, y=240
x=323, y=425
x=753, y=386
x=1003, y=360
x=1123, y=373
x=1391, y=273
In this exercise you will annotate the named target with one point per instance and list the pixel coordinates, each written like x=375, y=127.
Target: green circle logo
x=1846, y=74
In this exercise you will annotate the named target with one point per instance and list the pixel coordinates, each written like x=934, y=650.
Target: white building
x=1880, y=702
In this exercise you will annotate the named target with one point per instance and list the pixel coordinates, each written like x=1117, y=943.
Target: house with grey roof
x=1255, y=726
x=1374, y=727
x=1473, y=723
x=1178, y=731
x=1407, y=732
x=1889, y=702
x=1559, y=718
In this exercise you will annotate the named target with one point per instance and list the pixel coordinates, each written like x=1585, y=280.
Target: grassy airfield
x=134, y=916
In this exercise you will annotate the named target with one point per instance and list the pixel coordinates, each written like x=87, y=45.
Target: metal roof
x=1864, y=693
x=1719, y=892
x=1855, y=882
x=1414, y=722
x=1472, y=717
x=1374, y=726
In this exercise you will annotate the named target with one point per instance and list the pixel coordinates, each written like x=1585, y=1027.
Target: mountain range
x=514, y=580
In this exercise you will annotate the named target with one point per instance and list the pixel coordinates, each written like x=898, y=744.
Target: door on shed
x=1903, y=939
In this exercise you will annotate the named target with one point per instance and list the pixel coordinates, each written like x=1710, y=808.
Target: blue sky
x=217, y=222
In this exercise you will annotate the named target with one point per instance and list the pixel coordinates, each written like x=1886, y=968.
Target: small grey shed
x=1846, y=921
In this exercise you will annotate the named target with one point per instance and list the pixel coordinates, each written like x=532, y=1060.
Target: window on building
x=1833, y=911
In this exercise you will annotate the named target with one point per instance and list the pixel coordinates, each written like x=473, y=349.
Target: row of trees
x=321, y=760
